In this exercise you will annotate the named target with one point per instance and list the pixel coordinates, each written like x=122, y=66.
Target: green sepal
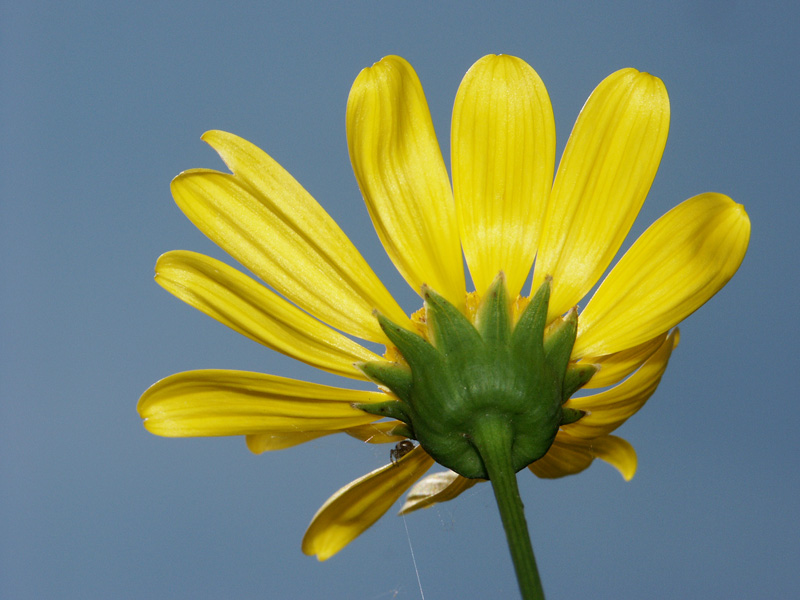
x=576, y=377
x=493, y=320
x=570, y=415
x=393, y=409
x=396, y=377
x=558, y=344
x=450, y=331
x=527, y=338
x=415, y=349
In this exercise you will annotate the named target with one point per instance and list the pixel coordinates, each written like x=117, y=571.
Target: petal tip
x=388, y=61
x=741, y=213
x=212, y=137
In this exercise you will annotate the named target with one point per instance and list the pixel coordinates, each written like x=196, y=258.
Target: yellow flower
x=504, y=209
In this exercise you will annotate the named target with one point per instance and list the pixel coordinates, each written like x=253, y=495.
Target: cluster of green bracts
x=465, y=374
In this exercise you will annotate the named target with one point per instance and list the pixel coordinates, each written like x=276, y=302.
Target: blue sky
x=103, y=103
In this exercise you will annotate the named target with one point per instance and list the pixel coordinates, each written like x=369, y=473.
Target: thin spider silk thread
x=413, y=559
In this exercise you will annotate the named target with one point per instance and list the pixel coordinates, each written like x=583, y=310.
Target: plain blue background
x=102, y=104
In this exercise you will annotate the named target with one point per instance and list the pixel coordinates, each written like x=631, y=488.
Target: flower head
x=499, y=350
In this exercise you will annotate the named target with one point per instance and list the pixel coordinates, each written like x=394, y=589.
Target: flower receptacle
x=465, y=374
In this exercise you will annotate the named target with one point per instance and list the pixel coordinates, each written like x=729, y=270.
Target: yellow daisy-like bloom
x=504, y=210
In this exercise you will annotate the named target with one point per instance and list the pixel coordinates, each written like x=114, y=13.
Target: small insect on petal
x=400, y=450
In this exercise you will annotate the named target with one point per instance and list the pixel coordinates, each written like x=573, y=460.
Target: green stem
x=492, y=438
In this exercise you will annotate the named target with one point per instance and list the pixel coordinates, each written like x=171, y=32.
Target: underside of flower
x=465, y=374
x=482, y=379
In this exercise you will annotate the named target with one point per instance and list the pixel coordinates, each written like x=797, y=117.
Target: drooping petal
x=608, y=166
x=355, y=507
x=564, y=457
x=569, y=455
x=371, y=433
x=262, y=217
x=234, y=299
x=436, y=488
x=680, y=262
x=381, y=432
x=503, y=156
x=615, y=367
x=258, y=443
x=617, y=452
x=401, y=173
x=218, y=402
x=609, y=409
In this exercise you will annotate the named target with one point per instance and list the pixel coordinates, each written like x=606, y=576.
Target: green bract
x=468, y=375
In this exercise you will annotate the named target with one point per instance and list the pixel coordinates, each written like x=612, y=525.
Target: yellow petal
x=569, y=455
x=402, y=176
x=682, y=260
x=355, y=507
x=565, y=457
x=216, y=402
x=615, y=367
x=618, y=453
x=381, y=432
x=234, y=299
x=608, y=166
x=269, y=223
x=503, y=156
x=436, y=488
x=609, y=409
x=259, y=443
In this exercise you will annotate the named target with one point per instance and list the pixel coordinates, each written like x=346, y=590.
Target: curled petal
x=569, y=455
x=402, y=176
x=617, y=452
x=503, y=156
x=616, y=367
x=609, y=409
x=436, y=488
x=355, y=507
x=264, y=219
x=676, y=266
x=604, y=176
x=217, y=402
x=234, y=299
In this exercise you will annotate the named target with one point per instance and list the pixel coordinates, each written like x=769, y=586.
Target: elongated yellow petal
x=569, y=455
x=233, y=298
x=217, y=402
x=436, y=488
x=381, y=432
x=680, y=262
x=615, y=367
x=609, y=409
x=399, y=168
x=503, y=156
x=608, y=166
x=355, y=507
x=372, y=433
x=269, y=223
x=258, y=443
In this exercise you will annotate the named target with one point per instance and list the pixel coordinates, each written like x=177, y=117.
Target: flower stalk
x=493, y=438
